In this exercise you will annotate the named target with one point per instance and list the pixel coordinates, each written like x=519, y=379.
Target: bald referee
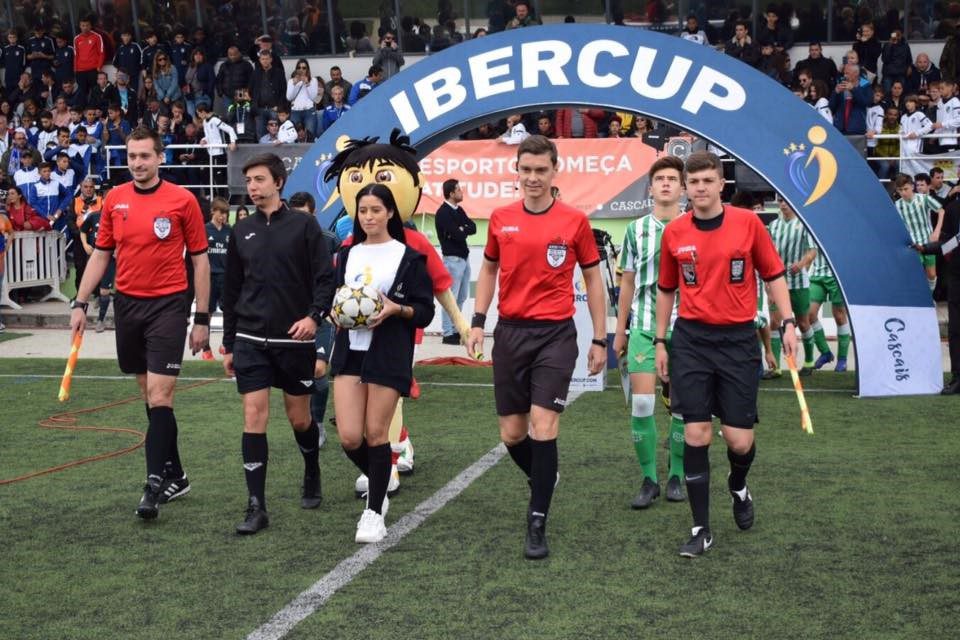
x=711, y=257
x=149, y=223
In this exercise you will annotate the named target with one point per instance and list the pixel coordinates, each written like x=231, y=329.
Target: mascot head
x=363, y=162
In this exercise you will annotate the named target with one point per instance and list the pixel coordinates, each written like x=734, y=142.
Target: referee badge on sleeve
x=689, y=271
x=737, y=267
x=161, y=227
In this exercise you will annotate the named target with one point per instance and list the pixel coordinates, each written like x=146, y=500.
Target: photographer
x=849, y=102
x=868, y=49
x=302, y=94
x=897, y=59
x=389, y=56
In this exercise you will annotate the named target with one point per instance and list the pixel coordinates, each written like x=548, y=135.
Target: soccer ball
x=353, y=305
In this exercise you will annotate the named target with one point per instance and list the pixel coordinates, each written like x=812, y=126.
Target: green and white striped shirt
x=763, y=309
x=791, y=239
x=916, y=216
x=820, y=267
x=640, y=254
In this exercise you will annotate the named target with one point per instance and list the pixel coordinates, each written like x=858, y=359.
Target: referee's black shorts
x=714, y=372
x=151, y=333
x=533, y=363
x=261, y=367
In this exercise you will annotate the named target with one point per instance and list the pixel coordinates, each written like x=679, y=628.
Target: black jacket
x=233, y=76
x=453, y=228
x=278, y=272
x=389, y=361
x=268, y=88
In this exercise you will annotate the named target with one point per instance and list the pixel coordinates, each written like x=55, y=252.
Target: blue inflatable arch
x=705, y=92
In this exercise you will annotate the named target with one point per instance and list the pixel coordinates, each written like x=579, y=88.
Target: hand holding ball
x=355, y=304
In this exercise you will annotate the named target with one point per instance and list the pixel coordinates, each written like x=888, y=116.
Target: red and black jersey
x=149, y=230
x=713, y=262
x=537, y=253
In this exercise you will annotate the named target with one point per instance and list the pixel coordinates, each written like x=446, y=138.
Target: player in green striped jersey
x=797, y=251
x=915, y=210
x=824, y=286
x=640, y=262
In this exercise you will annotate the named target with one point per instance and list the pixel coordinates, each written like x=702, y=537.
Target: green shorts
x=799, y=301
x=642, y=353
x=825, y=288
x=928, y=261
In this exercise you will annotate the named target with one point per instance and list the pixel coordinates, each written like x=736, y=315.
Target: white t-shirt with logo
x=374, y=265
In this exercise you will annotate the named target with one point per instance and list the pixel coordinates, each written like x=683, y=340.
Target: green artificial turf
x=852, y=536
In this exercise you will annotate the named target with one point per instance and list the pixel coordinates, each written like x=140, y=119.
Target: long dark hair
x=394, y=223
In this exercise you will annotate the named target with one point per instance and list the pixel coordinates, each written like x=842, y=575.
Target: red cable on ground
x=67, y=421
x=461, y=361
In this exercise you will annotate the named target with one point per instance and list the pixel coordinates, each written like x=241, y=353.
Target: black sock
x=254, y=447
x=522, y=455
x=104, y=303
x=696, y=465
x=359, y=456
x=161, y=432
x=543, y=475
x=147, y=407
x=309, y=443
x=739, y=466
x=379, y=475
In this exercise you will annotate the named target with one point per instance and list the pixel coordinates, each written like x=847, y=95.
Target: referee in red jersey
x=534, y=245
x=711, y=255
x=149, y=223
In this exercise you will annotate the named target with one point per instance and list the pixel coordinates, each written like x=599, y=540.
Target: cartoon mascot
x=362, y=162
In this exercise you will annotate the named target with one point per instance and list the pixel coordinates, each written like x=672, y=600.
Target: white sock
x=932, y=282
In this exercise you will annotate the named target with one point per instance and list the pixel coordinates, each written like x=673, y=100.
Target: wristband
x=786, y=321
x=202, y=319
x=76, y=304
x=479, y=320
x=600, y=342
x=662, y=341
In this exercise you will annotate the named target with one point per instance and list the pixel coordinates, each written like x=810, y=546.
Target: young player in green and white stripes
x=761, y=322
x=824, y=286
x=640, y=262
x=915, y=210
x=797, y=251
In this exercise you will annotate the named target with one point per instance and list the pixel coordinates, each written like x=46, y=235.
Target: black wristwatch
x=76, y=304
x=786, y=321
x=600, y=342
x=657, y=341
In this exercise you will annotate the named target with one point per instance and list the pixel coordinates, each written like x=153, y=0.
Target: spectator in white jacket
x=303, y=92
x=818, y=95
x=914, y=124
x=948, y=114
x=287, y=134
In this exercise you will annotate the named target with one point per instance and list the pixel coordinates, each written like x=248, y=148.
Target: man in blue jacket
x=850, y=101
x=49, y=198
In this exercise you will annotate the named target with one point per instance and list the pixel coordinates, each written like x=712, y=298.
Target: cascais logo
x=801, y=157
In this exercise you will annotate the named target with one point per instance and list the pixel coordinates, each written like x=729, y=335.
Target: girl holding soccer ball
x=372, y=362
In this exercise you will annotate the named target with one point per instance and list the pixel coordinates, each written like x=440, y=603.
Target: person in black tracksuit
x=373, y=366
x=950, y=230
x=277, y=289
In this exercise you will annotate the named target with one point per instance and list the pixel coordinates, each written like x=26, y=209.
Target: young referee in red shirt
x=534, y=245
x=711, y=256
x=149, y=223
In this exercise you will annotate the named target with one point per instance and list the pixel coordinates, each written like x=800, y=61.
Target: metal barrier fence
x=35, y=259
x=211, y=184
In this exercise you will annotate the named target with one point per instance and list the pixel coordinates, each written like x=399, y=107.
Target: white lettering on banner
x=483, y=73
x=587, y=63
x=533, y=65
x=491, y=73
x=606, y=165
x=445, y=84
x=640, y=76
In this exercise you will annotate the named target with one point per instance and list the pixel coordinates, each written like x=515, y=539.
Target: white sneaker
x=362, y=484
x=371, y=527
x=405, y=461
x=384, y=508
x=3, y=327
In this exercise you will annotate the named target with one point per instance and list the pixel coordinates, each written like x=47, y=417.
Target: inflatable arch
x=702, y=91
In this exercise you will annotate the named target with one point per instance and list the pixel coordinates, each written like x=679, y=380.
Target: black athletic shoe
x=312, y=497
x=952, y=388
x=675, y=490
x=149, y=507
x=742, y=509
x=699, y=542
x=171, y=489
x=535, y=545
x=453, y=338
x=649, y=491
x=255, y=519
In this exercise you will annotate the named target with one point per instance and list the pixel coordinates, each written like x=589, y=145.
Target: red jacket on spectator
x=590, y=120
x=88, y=52
x=25, y=213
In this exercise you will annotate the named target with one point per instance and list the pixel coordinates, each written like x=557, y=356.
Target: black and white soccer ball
x=353, y=305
